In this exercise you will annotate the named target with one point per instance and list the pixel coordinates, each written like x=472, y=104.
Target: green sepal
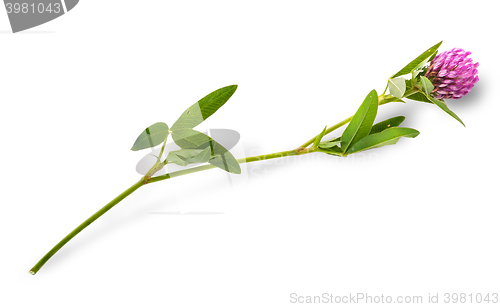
x=427, y=86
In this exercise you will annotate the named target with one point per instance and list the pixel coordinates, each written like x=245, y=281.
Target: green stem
x=140, y=183
x=331, y=129
x=240, y=161
x=83, y=225
x=383, y=99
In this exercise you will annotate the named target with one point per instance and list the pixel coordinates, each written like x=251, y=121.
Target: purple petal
x=438, y=64
x=443, y=73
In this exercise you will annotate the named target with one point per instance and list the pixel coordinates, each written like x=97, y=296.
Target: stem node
x=301, y=149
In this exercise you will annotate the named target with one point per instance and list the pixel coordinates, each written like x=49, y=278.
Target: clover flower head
x=452, y=73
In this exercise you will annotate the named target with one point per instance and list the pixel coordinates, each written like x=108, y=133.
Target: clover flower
x=452, y=73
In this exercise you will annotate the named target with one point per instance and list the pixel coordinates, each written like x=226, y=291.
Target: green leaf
x=226, y=161
x=421, y=69
x=332, y=140
x=329, y=143
x=434, y=55
x=418, y=96
x=418, y=62
x=190, y=139
x=361, y=123
x=445, y=108
x=151, y=137
x=397, y=87
x=409, y=85
x=387, y=137
x=426, y=85
x=220, y=156
x=335, y=150
x=388, y=123
x=318, y=139
x=184, y=157
x=208, y=105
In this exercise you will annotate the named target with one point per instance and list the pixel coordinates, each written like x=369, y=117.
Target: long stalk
x=240, y=161
x=140, y=183
x=83, y=225
x=383, y=99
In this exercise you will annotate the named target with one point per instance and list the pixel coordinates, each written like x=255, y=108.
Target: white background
x=412, y=219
